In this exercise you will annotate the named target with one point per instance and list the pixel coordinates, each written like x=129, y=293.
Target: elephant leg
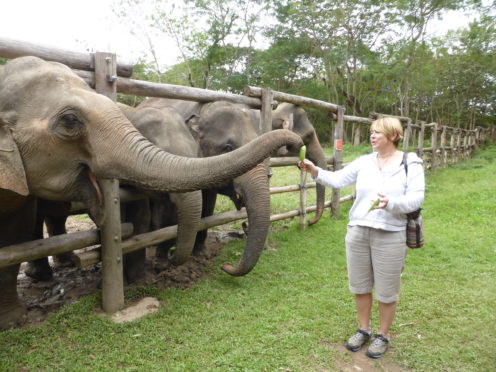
x=208, y=203
x=12, y=310
x=56, y=226
x=138, y=213
x=14, y=229
x=39, y=269
x=189, y=208
x=163, y=213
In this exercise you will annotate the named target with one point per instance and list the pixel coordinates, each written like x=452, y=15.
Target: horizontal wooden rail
x=292, y=160
x=145, y=88
x=35, y=249
x=290, y=188
x=149, y=89
x=296, y=212
x=376, y=115
x=140, y=241
x=10, y=48
x=290, y=98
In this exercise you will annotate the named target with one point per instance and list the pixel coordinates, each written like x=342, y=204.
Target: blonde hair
x=390, y=127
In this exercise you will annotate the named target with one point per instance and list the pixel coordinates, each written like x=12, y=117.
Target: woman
x=376, y=233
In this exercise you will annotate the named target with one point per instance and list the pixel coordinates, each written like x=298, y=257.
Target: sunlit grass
x=293, y=310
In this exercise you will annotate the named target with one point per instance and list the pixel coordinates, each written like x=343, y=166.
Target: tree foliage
x=367, y=55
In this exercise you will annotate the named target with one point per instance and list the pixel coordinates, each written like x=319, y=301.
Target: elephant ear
x=289, y=123
x=12, y=175
x=280, y=123
x=193, y=126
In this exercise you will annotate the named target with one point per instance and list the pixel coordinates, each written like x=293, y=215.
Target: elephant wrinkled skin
x=222, y=127
x=57, y=137
x=166, y=129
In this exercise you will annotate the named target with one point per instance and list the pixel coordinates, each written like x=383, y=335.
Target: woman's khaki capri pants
x=375, y=257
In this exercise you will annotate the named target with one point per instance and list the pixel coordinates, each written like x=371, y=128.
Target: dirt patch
x=347, y=361
x=144, y=306
x=70, y=284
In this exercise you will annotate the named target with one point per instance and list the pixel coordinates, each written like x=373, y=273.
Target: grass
x=293, y=310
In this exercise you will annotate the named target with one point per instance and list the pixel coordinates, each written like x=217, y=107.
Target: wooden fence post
x=433, y=145
x=465, y=143
x=452, y=146
x=266, y=110
x=112, y=274
x=443, y=146
x=266, y=96
x=458, y=144
x=407, y=135
x=420, y=149
x=338, y=156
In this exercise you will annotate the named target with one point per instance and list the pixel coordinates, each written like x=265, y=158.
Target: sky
x=90, y=25
x=74, y=25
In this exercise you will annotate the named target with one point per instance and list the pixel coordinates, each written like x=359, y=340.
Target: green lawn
x=293, y=311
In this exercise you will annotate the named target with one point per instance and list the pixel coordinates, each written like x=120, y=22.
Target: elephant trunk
x=316, y=154
x=254, y=188
x=189, y=208
x=136, y=161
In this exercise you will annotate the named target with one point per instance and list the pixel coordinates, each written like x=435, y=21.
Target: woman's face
x=380, y=141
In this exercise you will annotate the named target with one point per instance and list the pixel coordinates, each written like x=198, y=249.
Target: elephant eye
x=308, y=138
x=228, y=147
x=68, y=126
x=70, y=120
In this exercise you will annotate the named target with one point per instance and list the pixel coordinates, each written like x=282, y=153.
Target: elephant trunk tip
x=315, y=219
x=234, y=271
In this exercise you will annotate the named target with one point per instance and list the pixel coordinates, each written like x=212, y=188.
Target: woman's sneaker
x=356, y=341
x=378, y=347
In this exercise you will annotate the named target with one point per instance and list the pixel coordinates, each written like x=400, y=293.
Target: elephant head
x=58, y=137
x=294, y=118
x=223, y=127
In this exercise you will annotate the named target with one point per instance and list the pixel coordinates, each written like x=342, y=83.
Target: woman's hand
x=309, y=167
x=383, y=201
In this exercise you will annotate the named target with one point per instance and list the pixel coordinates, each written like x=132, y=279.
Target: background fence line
x=102, y=72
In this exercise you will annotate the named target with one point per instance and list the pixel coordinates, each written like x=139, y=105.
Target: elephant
x=222, y=127
x=166, y=129
x=58, y=138
x=156, y=211
x=281, y=119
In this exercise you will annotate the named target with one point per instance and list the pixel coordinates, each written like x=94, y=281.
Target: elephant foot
x=64, y=260
x=39, y=270
x=134, y=266
x=12, y=315
x=199, y=249
x=162, y=253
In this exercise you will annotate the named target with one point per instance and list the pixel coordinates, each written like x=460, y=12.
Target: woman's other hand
x=383, y=201
x=308, y=166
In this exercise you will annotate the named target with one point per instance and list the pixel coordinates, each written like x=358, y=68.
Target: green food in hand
x=374, y=204
x=303, y=152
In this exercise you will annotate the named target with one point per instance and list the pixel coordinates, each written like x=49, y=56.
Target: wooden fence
x=107, y=76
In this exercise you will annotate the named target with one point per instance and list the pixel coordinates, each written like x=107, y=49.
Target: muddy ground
x=70, y=284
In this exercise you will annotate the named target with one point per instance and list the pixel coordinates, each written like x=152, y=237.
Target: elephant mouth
x=88, y=191
x=238, y=201
x=94, y=183
x=231, y=190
